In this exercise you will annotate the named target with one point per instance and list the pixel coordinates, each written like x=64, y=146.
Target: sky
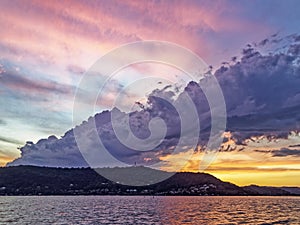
x=47, y=46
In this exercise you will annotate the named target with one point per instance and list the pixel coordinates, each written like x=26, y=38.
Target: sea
x=149, y=210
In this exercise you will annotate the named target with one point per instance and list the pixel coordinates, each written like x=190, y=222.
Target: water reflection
x=149, y=210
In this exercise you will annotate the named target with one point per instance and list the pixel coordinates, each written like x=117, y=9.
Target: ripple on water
x=148, y=210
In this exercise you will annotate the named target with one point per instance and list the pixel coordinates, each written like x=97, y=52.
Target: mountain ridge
x=33, y=180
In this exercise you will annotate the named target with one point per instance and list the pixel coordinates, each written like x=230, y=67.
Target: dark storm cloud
x=262, y=97
x=262, y=94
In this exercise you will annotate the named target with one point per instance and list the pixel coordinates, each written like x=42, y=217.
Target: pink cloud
x=60, y=29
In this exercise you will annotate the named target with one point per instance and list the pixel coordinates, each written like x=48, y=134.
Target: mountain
x=264, y=190
x=32, y=180
x=292, y=190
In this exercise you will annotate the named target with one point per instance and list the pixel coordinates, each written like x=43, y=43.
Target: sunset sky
x=47, y=46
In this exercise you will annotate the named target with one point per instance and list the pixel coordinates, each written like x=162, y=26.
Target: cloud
x=51, y=152
x=256, y=89
x=293, y=146
x=11, y=140
x=264, y=42
x=31, y=100
x=75, y=69
x=2, y=123
x=21, y=82
x=211, y=29
x=250, y=169
x=284, y=152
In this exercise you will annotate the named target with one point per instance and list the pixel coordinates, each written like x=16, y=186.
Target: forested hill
x=31, y=180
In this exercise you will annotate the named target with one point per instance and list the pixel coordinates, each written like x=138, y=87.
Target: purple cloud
x=283, y=152
x=261, y=93
x=21, y=82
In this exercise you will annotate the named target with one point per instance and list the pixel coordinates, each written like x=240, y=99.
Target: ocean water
x=149, y=210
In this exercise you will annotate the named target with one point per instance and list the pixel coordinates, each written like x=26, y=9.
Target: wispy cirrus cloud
x=10, y=140
x=22, y=83
x=76, y=28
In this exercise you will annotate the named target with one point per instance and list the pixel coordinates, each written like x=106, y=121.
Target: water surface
x=149, y=210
